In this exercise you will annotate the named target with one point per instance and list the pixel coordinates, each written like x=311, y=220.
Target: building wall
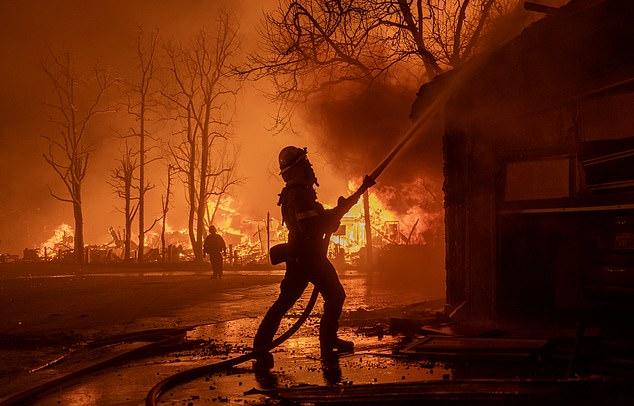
x=525, y=236
x=470, y=223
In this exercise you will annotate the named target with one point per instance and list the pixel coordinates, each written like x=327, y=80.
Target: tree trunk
x=163, y=240
x=79, y=233
x=127, y=247
x=141, y=186
x=191, y=181
x=202, y=187
x=128, y=223
x=166, y=207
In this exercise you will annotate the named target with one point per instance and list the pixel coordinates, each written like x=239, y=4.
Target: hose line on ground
x=171, y=381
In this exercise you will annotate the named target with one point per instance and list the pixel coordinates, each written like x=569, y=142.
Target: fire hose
x=185, y=376
x=171, y=381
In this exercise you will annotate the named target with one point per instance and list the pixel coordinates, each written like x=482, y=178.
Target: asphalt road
x=45, y=317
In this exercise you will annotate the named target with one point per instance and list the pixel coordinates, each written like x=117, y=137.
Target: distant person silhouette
x=309, y=226
x=215, y=246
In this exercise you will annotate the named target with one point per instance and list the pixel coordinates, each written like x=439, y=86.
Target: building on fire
x=539, y=167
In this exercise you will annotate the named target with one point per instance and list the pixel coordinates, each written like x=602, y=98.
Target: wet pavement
x=203, y=322
x=297, y=362
x=232, y=318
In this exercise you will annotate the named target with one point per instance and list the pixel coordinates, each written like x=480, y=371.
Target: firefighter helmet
x=291, y=156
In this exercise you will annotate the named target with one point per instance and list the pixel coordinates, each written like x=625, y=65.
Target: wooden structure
x=539, y=166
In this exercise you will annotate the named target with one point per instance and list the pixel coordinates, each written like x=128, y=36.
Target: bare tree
x=223, y=179
x=122, y=180
x=73, y=111
x=140, y=103
x=311, y=45
x=165, y=206
x=203, y=96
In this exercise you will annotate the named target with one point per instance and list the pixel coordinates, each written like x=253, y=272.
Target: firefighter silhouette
x=215, y=247
x=309, y=226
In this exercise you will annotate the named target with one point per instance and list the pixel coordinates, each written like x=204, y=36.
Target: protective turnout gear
x=309, y=225
x=307, y=221
x=298, y=274
x=215, y=246
x=295, y=167
x=339, y=346
x=291, y=156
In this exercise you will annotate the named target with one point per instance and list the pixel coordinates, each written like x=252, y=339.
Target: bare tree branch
x=72, y=114
x=309, y=46
x=203, y=91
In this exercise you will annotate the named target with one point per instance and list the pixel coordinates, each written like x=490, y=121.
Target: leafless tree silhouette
x=73, y=111
x=311, y=45
x=203, y=97
x=140, y=103
x=123, y=183
x=165, y=207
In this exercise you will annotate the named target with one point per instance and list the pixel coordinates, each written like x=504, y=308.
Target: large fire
x=249, y=237
x=59, y=242
x=397, y=216
x=388, y=225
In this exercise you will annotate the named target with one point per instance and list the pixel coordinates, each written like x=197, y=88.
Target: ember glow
x=388, y=225
x=248, y=239
x=61, y=240
x=247, y=215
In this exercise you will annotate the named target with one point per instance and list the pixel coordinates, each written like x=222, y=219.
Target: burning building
x=539, y=168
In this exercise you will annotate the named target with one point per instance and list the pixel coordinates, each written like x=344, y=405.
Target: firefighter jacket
x=307, y=222
x=214, y=245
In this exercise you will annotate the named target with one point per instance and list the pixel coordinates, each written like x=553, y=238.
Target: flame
x=247, y=236
x=353, y=234
x=389, y=226
x=62, y=239
x=397, y=216
x=172, y=237
x=225, y=215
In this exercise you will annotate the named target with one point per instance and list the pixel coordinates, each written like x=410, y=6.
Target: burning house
x=539, y=167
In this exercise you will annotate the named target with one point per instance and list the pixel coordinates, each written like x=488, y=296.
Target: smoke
x=358, y=126
x=355, y=126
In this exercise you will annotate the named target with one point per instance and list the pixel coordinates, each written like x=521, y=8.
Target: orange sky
x=105, y=31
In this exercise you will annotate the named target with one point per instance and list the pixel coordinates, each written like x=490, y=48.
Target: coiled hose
x=152, y=397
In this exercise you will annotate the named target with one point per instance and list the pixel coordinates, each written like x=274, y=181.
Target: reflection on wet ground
x=216, y=320
x=297, y=361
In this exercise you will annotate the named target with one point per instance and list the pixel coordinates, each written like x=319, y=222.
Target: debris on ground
x=473, y=348
x=480, y=391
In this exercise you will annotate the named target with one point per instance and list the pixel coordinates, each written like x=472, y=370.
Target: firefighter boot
x=339, y=346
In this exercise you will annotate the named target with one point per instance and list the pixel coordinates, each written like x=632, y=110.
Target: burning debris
x=58, y=246
x=414, y=222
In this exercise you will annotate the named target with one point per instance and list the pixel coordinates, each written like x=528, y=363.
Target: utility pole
x=260, y=238
x=368, y=229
